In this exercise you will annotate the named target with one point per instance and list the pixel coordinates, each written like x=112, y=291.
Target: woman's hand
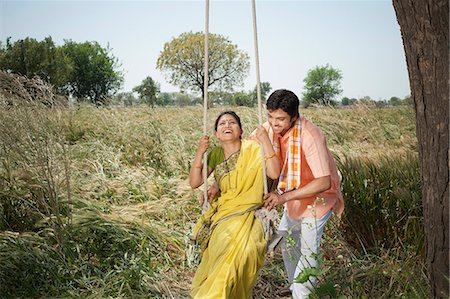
x=203, y=145
x=196, y=173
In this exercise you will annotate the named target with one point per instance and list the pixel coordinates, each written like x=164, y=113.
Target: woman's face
x=228, y=128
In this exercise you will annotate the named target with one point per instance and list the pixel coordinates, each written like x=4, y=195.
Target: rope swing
x=258, y=89
x=206, y=204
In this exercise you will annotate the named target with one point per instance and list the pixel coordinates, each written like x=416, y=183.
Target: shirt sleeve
x=316, y=151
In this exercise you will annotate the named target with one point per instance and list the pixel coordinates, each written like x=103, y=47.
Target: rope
x=205, y=109
x=258, y=88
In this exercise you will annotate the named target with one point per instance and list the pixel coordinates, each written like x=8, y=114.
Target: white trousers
x=300, y=246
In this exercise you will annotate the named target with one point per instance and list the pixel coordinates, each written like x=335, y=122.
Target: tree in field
x=95, y=75
x=125, y=98
x=148, y=91
x=322, y=85
x=424, y=25
x=395, y=101
x=265, y=89
x=29, y=57
x=165, y=99
x=182, y=62
x=242, y=99
x=348, y=102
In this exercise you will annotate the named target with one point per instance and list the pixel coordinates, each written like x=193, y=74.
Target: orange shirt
x=316, y=161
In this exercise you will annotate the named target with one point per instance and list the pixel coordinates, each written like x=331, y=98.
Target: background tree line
x=89, y=72
x=85, y=71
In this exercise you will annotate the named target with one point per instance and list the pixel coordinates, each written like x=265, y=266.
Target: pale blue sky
x=361, y=38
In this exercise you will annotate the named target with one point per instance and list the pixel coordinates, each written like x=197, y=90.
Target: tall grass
x=383, y=202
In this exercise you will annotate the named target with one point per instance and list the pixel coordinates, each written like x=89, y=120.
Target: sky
x=360, y=38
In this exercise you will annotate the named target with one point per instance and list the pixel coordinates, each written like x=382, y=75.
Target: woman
x=235, y=249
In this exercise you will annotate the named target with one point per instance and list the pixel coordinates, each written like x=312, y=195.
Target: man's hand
x=272, y=200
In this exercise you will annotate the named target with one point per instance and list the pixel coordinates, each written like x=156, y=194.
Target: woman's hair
x=285, y=100
x=233, y=114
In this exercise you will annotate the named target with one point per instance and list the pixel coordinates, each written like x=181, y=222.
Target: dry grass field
x=94, y=203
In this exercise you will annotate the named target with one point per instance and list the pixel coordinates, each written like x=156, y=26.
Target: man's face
x=280, y=121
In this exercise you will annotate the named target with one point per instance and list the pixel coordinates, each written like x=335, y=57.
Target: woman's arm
x=273, y=166
x=196, y=173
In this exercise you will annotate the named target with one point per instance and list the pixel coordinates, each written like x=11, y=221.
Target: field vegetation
x=94, y=202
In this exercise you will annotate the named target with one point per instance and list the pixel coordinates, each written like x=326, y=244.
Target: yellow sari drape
x=236, y=249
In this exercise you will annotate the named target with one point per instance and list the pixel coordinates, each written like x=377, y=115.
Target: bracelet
x=197, y=166
x=270, y=157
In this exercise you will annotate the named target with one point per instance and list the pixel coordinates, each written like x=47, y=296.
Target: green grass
x=94, y=202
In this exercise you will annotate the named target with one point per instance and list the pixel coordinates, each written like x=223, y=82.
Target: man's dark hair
x=285, y=100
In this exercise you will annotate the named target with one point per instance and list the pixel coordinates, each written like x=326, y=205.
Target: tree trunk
x=424, y=25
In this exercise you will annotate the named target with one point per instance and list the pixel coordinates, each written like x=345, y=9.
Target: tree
x=148, y=91
x=424, y=27
x=165, y=99
x=182, y=99
x=243, y=99
x=182, y=62
x=125, y=98
x=395, y=101
x=348, y=102
x=29, y=57
x=221, y=98
x=95, y=75
x=322, y=85
x=367, y=101
x=265, y=89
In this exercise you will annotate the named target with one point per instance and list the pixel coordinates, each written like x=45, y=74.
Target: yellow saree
x=236, y=248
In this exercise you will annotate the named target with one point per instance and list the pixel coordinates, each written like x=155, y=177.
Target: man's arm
x=316, y=186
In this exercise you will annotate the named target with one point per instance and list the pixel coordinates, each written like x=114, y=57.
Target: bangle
x=270, y=157
x=195, y=166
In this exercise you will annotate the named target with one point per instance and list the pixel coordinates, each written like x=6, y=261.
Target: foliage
x=148, y=91
x=125, y=98
x=94, y=76
x=29, y=57
x=395, y=101
x=265, y=88
x=166, y=99
x=242, y=99
x=83, y=70
x=322, y=85
x=182, y=61
x=348, y=102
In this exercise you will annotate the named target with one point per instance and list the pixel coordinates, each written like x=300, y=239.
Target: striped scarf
x=290, y=173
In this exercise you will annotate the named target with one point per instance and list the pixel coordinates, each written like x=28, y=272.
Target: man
x=308, y=186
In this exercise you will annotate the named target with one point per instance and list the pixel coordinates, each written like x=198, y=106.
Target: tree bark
x=424, y=26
